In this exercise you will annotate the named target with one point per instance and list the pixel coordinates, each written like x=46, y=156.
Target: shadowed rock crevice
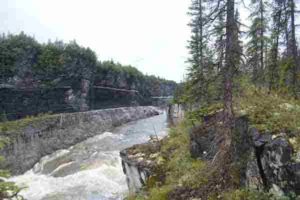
x=258, y=154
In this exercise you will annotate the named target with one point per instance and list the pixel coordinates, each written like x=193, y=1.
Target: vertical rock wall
x=55, y=132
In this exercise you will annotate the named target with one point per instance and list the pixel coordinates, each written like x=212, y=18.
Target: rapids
x=89, y=170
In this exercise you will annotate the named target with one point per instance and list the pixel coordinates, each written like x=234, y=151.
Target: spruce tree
x=274, y=56
x=293, y=45
x=197, y=50
x=256, y=45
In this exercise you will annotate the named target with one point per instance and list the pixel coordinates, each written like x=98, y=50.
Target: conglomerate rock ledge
x=42, y=137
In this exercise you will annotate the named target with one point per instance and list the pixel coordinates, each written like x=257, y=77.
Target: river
x=89, y=170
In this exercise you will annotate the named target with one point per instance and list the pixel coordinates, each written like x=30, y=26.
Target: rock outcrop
x=55, y=132
x=140, y=163
x=278, y=171
x=175, y=113
x=262, y=161
x=266, y=161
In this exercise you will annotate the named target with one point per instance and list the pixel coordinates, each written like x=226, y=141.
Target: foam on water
x=90, y=170
x=87, y=184
x=38, y=167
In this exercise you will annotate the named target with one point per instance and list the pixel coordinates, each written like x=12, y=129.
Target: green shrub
x=7, y=189
x=245, y=194
x=159, y=193
x=16, y=125
x=269, y=112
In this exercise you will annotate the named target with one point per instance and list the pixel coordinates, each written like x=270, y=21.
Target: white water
x=90, y=170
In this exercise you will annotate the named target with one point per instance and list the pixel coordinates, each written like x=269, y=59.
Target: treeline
x=24, y=62
x=223, y=49
x=229, y=56
x=111, y=74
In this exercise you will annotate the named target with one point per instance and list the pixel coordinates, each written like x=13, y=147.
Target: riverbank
x=262, y=162
x=31, y=139
x=90, y=169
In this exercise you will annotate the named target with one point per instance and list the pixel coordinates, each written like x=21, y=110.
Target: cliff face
x=66, y=77
x=137, y=166
x=175, y=113
x=41, y=137
x=18, y=103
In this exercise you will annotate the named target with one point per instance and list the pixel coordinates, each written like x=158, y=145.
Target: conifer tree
x=220, y=41
x=274, y=56
x=289, y=62
x=198, y=51
x=293, y=45
x=256, y=45
x=230, y=64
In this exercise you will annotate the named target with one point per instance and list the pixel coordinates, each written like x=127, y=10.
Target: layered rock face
x=55, y=132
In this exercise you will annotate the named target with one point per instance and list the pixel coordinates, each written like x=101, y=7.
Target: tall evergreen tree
x=256, y=45
x=293, y=45
x=276, y=30
x=238, y=43
x=289, y=64
x=229, y=67
x=198, y=50
x=220, y=40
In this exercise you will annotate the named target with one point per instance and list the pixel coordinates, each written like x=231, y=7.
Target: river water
x=90, y=170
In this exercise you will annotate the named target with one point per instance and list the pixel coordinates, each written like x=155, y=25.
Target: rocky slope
x=261, y=162
x=266, y=161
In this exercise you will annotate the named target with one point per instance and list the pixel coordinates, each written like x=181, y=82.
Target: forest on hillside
x=65, y=77
x=223, y=49
x=27, y=63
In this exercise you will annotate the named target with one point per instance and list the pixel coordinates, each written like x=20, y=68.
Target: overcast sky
x=148, y=34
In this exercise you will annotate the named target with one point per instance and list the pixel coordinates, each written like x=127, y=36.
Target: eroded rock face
x=79, y=99
x=62, y=131
x=139, y=163
x=175, y=113
x=205, y=145
x=265, y=161
x=136, y=177
x=278, y=167
x=204, y=139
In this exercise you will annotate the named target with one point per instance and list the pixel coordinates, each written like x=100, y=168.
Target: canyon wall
x=43, y=136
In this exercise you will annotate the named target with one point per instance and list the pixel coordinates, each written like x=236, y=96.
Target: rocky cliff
x=37, y=137
x=62, y=77
x=175, y=113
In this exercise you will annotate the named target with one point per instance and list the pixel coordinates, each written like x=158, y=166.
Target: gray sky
x=148, y=34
